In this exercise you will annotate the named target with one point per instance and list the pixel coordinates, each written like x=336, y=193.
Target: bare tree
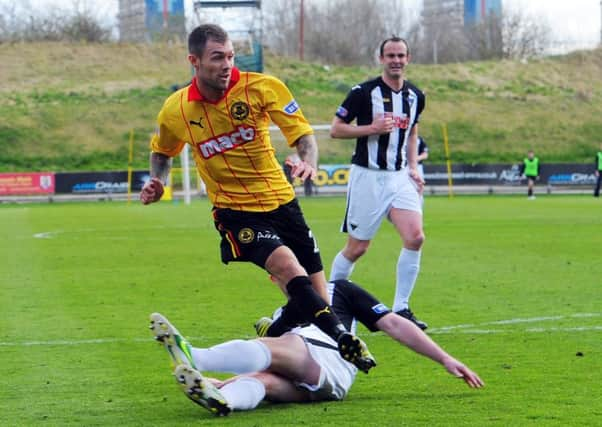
x=338, y=31
x=484, y=39
x=513, y=35
x=445, y=43
x=281, y=22
x=524, y=36
x=84, y=28
x=22, y=22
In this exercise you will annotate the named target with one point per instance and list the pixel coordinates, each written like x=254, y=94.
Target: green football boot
x=201, y=391
x=177, y=346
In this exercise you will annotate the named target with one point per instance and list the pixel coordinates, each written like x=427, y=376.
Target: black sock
x=313, y=308
x=289, y=318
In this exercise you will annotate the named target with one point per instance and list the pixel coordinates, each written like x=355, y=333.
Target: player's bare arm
x=160, y=165
x=307, y=149
x=408, y=334
x=413, y=158
x=382, y=124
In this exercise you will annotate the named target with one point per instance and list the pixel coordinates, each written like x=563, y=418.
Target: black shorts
x=350, y=301
x=253, y=236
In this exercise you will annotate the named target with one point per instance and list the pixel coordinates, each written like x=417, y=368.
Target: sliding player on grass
x=302, y=365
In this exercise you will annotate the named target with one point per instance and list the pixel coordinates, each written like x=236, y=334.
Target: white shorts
x=370, y=196
x=336, y=375
x=420, y=169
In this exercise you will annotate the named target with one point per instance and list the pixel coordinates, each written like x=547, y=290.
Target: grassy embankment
x=72, y=107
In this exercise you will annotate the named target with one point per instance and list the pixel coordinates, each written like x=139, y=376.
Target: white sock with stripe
x=408, y=266
x=341, y=267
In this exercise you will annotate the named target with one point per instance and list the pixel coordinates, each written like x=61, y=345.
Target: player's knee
x=354, y=251
x=283, y=264
x=416, y=240
x=271, y=383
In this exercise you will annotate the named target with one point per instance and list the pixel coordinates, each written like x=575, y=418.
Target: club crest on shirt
x=246, y=235
x=239, y=110
x=291, y=107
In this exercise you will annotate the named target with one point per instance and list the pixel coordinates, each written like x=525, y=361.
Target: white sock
x=408, y=266
x=236, y=356
x=341, y=267
x=243, y=394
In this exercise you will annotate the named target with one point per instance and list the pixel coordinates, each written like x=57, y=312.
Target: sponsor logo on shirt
x=226, y=142
x=291, y=107
x=342, y=111
x=401, y=122
x=199, y=123
x=380, y=308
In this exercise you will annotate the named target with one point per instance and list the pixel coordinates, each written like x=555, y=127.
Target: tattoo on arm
x=307, y=148
x=160, y=165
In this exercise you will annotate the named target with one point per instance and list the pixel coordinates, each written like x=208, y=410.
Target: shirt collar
x=193, y=89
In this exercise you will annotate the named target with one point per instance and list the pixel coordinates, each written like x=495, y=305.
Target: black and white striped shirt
x=367, y=101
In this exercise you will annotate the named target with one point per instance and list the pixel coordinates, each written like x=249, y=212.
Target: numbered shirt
x=230, y=139
x=367, y=101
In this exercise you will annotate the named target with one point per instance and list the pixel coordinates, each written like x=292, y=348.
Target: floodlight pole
x=165, y=15
x=301, y=35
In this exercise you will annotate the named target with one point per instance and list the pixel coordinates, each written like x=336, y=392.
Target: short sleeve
x=284, y=110
x=164, y=141
x=351, y=105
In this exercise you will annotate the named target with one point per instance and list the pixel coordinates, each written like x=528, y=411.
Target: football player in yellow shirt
x=224, y=115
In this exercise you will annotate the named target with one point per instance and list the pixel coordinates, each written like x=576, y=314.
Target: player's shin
x=290, y=317
x=313, y=308
x=236, y=356
x=244, y=393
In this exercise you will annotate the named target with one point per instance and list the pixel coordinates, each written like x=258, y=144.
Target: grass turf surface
x=517, y=280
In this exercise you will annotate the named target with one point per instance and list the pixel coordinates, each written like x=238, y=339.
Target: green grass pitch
x=509, y=286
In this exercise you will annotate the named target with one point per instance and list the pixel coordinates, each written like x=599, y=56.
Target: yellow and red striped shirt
x=230, y=139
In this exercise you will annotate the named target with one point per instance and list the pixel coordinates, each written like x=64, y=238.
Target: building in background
x=460, y=30
x=458, y=13
x=151, y=20
x=243, y=21
x=477, y=10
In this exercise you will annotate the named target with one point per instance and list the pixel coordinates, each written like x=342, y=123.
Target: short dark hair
x=197, y=40
x=393, y=39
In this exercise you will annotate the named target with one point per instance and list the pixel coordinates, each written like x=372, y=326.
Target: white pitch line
x=55, y=233
x=456, y=329
x=74, y=342
x=530, y=320
x=46, y=235
x=448, y=329
x=439, y=331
